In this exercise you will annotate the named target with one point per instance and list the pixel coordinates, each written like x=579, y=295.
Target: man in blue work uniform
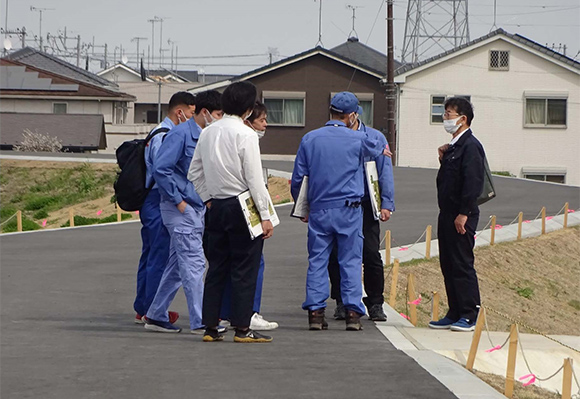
x=154, y=235
x=374, y=277
x=332, y=158
x=183, y=216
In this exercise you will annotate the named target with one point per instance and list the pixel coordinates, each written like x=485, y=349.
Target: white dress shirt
x=227, y=162
x=456, y=138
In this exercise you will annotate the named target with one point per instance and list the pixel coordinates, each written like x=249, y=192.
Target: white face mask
x=260, y=133
x=179, y=116
x=212, y=119
x=450, y=125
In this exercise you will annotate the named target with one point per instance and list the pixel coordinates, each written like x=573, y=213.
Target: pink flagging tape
x=495, y=348
x=44, y=223
x=498, y=227
x=532, y=379
x=403, y=248
x=99, y=212
x=416, y=301
x=550, y=218
x=405, y=316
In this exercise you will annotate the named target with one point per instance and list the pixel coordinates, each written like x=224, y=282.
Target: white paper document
x=372, y=176
x=301, y=207
x=252, y=216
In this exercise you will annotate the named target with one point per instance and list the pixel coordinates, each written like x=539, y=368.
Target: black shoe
x=376, y=313
x=317, y=320
x=339, y=312
x=249, y=336
x=353, y=321
x=212, y=335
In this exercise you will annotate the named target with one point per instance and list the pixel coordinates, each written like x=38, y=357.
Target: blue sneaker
x=463, y=324
x=443, y=324
x=161, y=326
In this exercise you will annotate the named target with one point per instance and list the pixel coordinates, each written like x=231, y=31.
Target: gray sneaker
x=339, y=312
x=376, y=313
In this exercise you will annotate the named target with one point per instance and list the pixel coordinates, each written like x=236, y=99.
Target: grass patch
x=520, y=391
x=575, y=304
x=41, y=214
x=526, y=292
x=502, y=173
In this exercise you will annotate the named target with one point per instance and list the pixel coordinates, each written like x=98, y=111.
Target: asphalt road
x=67, y=331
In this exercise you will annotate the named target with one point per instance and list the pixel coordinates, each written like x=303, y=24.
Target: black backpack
x=130, y=189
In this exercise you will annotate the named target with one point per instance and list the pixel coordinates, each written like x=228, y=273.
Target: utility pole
x=319, y=42
x=159, y=103
x=153, y=21
x=161, y=43
x=78, y=50
x=138, y=39
x=40, y=10
x=391, y=89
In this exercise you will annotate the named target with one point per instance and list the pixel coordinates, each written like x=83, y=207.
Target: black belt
x=352, y=204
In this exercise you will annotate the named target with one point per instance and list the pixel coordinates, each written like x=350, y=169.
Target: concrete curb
x=462, y=383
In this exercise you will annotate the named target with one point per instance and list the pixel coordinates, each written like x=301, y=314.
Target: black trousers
x=373, y=268
x=231, y=253
x=456, y=258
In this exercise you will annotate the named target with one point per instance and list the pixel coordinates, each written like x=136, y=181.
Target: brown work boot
x=316, y=320
x=353, y=321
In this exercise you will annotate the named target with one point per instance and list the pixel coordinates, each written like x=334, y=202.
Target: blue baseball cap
x=359, y=110
x=344, y=103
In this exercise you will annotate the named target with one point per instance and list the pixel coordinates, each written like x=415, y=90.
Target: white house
x=526, y=100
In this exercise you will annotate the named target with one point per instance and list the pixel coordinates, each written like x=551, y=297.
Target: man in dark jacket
x=459, y=184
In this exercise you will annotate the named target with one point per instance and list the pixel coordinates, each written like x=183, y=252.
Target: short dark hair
x=460, y=105
x=259, y=109
x=181, y=98
x=238, y=98
x=210, y=100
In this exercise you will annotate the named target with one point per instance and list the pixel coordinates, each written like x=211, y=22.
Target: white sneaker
x=260, y=324
x=225, y=323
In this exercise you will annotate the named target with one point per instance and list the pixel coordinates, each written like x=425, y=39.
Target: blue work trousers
x=185, y=266
x=326, y=228
x=154, y=253
x=227, y=298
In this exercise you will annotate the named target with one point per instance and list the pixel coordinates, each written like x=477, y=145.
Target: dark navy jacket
x=460, y=177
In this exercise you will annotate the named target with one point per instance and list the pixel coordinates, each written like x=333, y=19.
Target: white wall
x=498, y=99
x=45, y=107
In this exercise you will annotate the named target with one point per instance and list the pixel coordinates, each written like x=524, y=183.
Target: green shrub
x=34, y=202
x=40, y=214
x=6, y=212
x=525, y=292
x=27, y=225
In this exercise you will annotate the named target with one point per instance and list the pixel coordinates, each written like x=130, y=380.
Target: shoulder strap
x=156, y=132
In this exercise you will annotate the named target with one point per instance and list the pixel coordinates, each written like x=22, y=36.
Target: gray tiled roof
x=516, y=37
x=50, y=63
x=363, y=55
x=75, y=132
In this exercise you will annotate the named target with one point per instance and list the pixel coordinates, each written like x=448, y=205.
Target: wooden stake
x=492, y=240
x=435, y=306
x=428, y=243
x=567, y=379
x=520, y=220
x=566, y=205
x=475, y=340
x=71, y=217
x=19, y=221
x=118, y=213
x=387, y=247
x=393, y=296
x=511, y=364
x=411, y=298
x=544, y=220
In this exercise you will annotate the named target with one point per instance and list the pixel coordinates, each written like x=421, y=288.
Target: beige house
x=526, y=100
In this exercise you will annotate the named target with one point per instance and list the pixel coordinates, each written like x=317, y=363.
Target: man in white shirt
x=225, y=164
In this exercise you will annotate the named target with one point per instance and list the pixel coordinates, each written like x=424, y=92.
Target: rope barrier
x=410, y=247
x=7, y=220
x=532, y=329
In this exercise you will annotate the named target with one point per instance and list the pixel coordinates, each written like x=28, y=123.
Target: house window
x=499, y=60
x=549, y=174
x=120, y=110
x=545, y=110
x=59, y=108
x=437, y=107
x=285, y=108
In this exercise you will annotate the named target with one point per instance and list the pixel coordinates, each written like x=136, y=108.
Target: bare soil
x=535, y=281
x=520, y=391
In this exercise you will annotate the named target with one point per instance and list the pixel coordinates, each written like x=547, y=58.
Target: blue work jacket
x=172, y=164
x=151, y=151
x=332, y=158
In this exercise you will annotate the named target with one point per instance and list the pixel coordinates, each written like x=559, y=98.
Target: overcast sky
x=250, y=27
